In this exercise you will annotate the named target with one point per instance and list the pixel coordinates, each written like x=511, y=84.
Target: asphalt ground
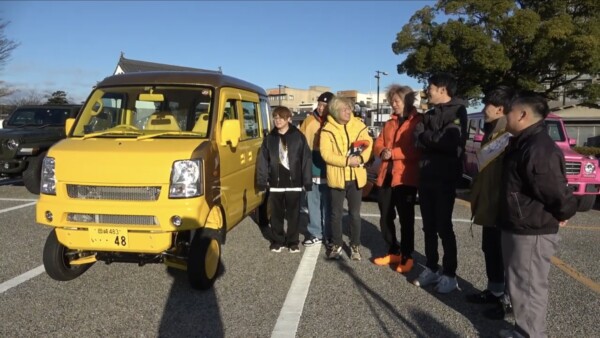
x=262, y=294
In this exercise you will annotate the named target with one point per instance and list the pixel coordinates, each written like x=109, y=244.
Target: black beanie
x=325, y=97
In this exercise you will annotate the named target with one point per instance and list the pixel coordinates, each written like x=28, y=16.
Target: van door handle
x=250, y=156
x=242, y=159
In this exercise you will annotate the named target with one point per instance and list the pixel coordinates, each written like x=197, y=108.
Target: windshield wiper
x=177, y=133
x=112, y=132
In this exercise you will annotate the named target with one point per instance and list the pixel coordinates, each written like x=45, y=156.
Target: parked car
x=157, y=168
x=582, y=171
x=26, y=136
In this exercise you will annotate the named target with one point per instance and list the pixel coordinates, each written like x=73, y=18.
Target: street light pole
x=378, y=76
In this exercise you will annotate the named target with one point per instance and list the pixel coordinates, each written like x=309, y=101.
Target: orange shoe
x=387, y=260
x=406, y=267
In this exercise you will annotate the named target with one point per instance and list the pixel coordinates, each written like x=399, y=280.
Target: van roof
x=195, y=78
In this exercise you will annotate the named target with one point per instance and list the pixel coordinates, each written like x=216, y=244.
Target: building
x=132, y=66
x=298, y=100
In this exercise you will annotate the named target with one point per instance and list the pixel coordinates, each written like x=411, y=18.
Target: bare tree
x=6, y=45
x=29, y=97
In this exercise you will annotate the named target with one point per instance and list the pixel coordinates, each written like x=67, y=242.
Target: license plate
x=113, y=238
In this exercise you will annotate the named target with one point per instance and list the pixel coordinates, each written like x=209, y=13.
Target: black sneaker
x=294, y=248
x=483, y=297
x=274, y=247
x=500, y=311
x=335, y=252
x=311, y=241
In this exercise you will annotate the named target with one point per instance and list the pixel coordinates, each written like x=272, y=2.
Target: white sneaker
x=446, y=284
x=427, y=277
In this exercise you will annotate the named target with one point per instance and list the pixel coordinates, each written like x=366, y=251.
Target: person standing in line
x=345, y=147
x=534, y=201
x=284, y=167
x=485, y=196
x=398, y=178
x=442, y=137
x=319, y=205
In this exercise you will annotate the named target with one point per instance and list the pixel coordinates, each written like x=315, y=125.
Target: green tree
x=58, y=97
x=541, y=45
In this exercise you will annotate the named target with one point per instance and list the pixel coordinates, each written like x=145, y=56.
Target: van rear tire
x=585, y=202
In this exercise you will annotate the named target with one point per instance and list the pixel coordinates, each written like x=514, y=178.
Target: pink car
x=582, y=171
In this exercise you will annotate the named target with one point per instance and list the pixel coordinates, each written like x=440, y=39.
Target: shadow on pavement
x=189, y=312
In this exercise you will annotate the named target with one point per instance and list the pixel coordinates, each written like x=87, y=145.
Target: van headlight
x=186, y=179
x=48, y=178
x=589, y=168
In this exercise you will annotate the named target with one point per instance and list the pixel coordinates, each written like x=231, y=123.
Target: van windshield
x=555, y=130
x=167, y=111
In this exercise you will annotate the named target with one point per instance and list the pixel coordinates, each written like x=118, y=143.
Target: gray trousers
x=527, y=265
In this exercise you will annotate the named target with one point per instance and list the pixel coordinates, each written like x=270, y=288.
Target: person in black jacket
x=284, y=167
x=442, y=137
x=534, y=201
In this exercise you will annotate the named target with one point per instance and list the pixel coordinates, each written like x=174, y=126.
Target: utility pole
x=378, y=76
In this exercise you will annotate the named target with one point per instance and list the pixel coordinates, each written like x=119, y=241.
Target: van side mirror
x=572, y=142
x=231, y=132
x=478, y=138
x=69, y=124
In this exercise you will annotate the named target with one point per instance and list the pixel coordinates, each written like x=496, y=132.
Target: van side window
x=250, y=119
x=265, y=114
x=229, y=111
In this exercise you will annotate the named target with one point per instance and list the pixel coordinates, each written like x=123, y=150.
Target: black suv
x=27, y=135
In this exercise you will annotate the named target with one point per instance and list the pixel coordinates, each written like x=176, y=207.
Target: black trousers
x=285, y=205
x=437, y=203
x=354, y=196
x=399, y=199
x=491, y=244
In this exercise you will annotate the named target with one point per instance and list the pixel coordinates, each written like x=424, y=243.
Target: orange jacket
x=405, y=156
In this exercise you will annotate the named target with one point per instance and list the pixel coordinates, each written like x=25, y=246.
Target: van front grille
x=93, y=192
x=573, y=168
x=112, y=219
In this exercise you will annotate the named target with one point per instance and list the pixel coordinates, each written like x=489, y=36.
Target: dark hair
x=500, y=96
x=283, y=112
x=534, y=101
x=445, y=80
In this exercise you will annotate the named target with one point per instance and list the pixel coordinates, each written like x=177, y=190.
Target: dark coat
x=267, y=172
x=534, y=195
x=442, y=136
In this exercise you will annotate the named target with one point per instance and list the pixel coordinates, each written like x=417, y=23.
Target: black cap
x=325, y=97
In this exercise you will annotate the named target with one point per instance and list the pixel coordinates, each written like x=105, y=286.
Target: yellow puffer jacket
x=335, y=144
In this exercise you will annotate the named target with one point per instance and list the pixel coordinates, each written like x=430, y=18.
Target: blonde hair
x=406, y=94
x=336, y=104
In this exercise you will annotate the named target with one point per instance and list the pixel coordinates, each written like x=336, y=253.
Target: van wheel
x=33, y=174
x=56, y=260
x=204, y=261
x=585, y=202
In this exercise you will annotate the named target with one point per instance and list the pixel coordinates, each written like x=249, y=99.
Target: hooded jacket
x=485, y=192
x=311, y=128
x=442, y=137
x=398, y=135
x=336, y=140
x=267, y=172
x=534, y=196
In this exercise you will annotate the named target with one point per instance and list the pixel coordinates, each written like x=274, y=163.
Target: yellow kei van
x=156, y=168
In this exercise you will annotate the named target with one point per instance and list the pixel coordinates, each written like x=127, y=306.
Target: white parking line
x=18, y=207
x=21, y=279
x=289, y=316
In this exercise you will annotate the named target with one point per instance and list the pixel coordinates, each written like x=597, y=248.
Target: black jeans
x=354, y=197
x=437, y=203
x=400, y=199
x=491, y=244
x=285, y=205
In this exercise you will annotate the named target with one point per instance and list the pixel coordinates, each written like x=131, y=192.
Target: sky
x=71, y=45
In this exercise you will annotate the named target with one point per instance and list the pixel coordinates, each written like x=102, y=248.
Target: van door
x=238, y=164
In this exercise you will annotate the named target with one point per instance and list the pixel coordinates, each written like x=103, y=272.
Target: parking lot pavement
x=259, y=291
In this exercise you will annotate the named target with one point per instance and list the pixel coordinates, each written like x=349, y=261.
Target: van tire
x=585, y=202
x=56, y=261
x=33, y=174
x=204, y=261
